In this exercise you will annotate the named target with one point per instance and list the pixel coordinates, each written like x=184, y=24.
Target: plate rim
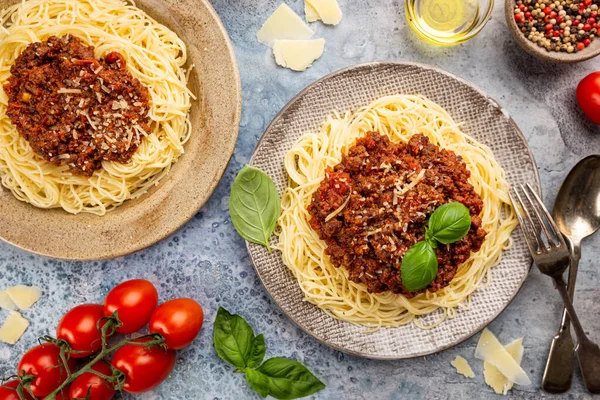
x=210, y=189
x=537, y=186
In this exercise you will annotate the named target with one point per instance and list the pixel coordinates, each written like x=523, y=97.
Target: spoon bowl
x=577, y=207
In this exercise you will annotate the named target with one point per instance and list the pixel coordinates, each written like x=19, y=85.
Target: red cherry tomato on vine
x=588, y=96
x=43, y=363
x=179, y=321
x=8, y=391
x=135, y=301
x=144, y=369
x=79, y=328
x=99, y=389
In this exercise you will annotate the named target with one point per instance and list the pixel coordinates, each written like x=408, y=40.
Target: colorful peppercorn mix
x=559, y=25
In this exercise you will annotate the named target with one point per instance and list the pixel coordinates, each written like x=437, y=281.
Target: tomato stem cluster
x=107, y=327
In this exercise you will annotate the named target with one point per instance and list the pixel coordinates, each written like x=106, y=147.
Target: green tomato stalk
x=107, y=327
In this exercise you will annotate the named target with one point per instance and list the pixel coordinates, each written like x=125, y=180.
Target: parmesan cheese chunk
x=13, y=328
x=298, y=55
x=494, y=377
x=491, y=351
x=24, y=296
x=6, y=302
x=310, y=13
x=463, y=367
x=284, y=24
x=329, y=11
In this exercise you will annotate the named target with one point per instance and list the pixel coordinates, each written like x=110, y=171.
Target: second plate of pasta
x=116, y=127
x=362, y=159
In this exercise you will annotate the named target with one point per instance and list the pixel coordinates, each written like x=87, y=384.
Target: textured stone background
x=206, y=259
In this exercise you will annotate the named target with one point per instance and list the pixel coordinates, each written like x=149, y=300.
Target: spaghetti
x=398, y=117
x=153, y=54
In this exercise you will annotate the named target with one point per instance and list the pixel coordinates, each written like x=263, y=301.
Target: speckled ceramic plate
x=142, y=222
x=482, y=118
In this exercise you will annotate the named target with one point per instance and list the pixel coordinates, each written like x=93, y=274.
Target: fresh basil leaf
x=258, y=351
x=288, y=379
x=235, y=342
x=258, y=381
x=419, y=266
x=254, y=205
x=450, y=223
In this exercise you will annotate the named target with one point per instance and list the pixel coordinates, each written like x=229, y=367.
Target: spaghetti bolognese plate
x=363, y=158
x=118, y=120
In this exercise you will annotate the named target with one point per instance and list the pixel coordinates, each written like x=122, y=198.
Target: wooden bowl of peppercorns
x=559, y=31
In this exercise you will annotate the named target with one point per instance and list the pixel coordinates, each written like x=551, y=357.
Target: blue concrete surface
x=207, y=260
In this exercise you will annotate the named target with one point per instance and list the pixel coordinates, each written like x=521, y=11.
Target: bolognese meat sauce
x=75, y=109
x=374, y=205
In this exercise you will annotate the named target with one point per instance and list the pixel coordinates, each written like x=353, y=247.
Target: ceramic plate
x=481, y=117
x=142, y=222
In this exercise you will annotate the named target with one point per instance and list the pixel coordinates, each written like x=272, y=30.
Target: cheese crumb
x=491, y=351
x=494, y=378
x=298, y=55
x=463, y=367
x=6, y=302
x=310, y=13
x=13, y=328
x=24, y=296
x=328, y=11
x=284, y=24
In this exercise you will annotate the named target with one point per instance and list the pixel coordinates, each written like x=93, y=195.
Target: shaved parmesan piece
x=6, y=302
x=494, y=377
x=13, y=328
x=310, y=13
x=463, y=367
x=24, y=296
x=284, y=24
x=298, y=55
x=339, y=210
x=329, y=11
x=491, y=351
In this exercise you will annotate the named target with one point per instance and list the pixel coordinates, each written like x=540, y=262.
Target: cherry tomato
x=79, y=328
x=99, y=389
x=179, y=321
x=135, y=301
x=8, y=391
x=42, y=362
x=144, y=369
x=588, y=96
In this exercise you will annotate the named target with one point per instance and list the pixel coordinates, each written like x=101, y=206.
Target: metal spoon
x=577, y=214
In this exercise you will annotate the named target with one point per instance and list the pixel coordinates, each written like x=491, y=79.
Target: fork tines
x=539, y=229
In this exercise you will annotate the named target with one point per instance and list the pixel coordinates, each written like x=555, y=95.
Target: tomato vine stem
x=107, y=327
x=156, y=341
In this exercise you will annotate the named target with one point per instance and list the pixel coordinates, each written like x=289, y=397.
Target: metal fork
x=552, y=256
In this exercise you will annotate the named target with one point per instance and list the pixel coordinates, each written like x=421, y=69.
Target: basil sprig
x=280, y=377
x=254, y=205
x=448, y=224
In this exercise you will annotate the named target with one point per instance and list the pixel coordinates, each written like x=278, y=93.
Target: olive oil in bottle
x=443, y=22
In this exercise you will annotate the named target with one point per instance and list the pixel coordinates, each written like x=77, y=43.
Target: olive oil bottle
x=443, y=22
